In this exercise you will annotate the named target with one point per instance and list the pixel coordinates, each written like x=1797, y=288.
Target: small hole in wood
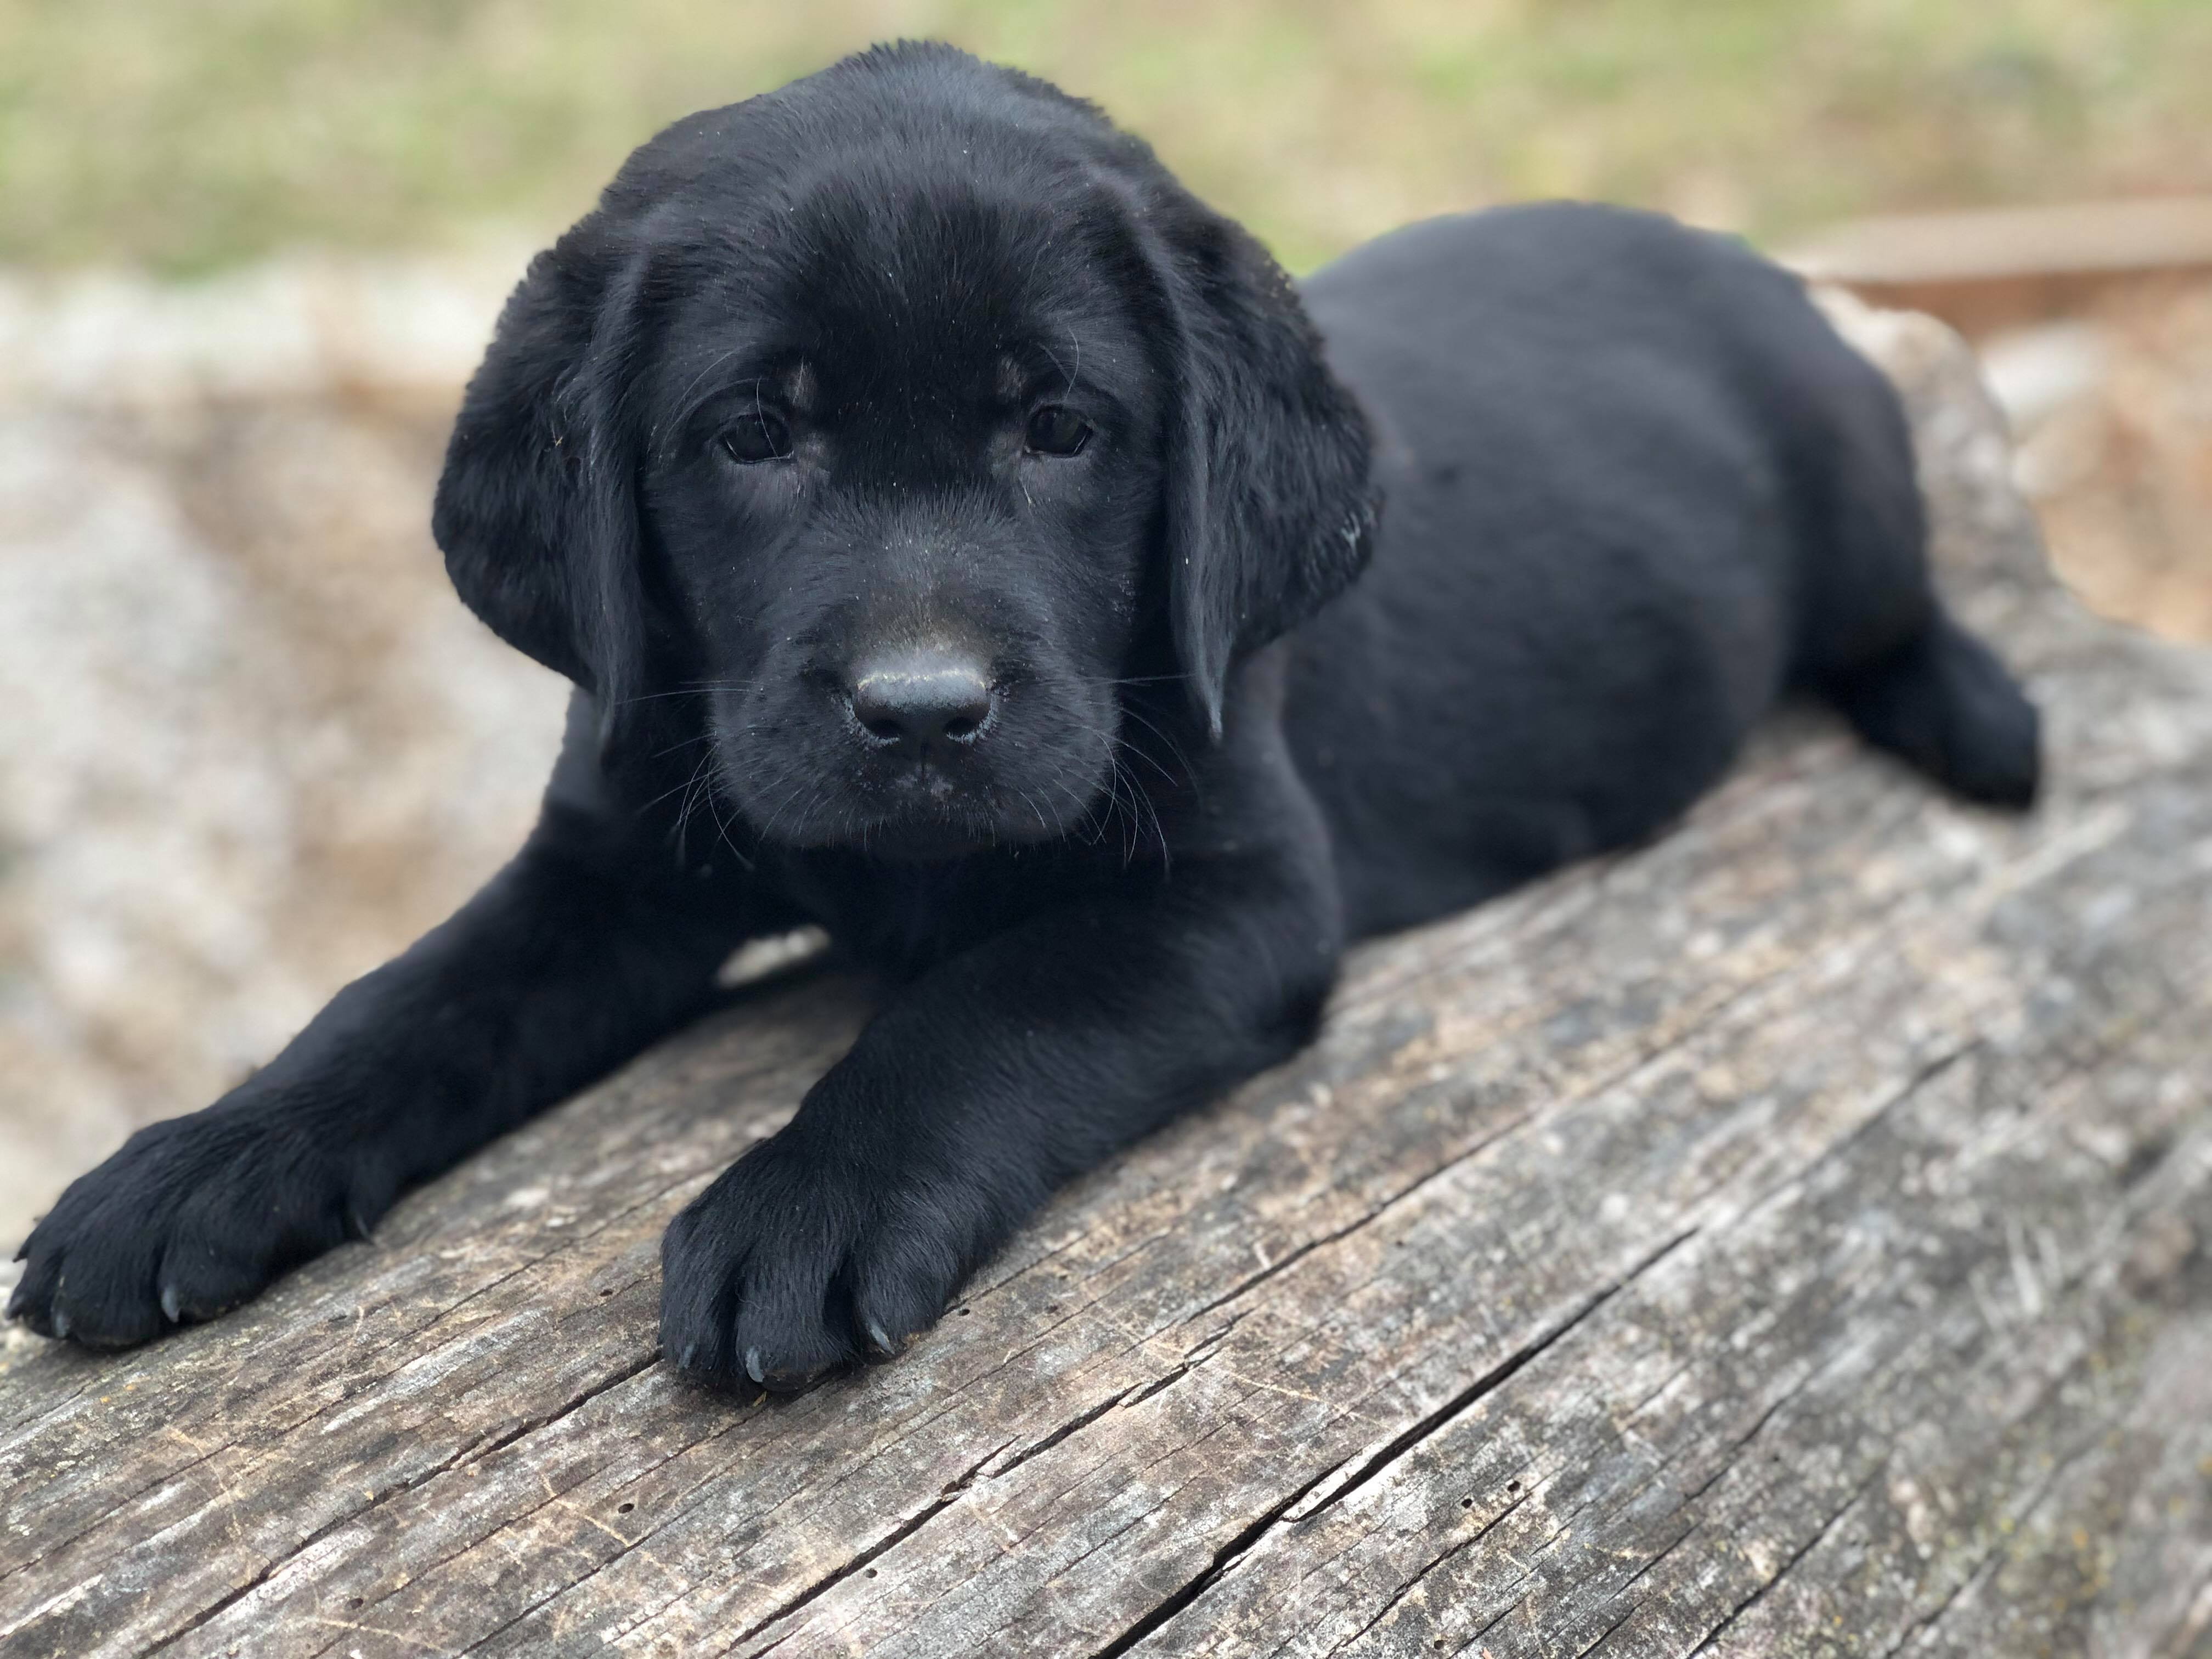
x=964, y=1313
x=1466, y=1502
x=1513, y=1486
x=610, y=1291
x=624, y=1509
x=872, y=1572
x=353, y=1602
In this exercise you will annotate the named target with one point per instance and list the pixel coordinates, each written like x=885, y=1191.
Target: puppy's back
x=1635, y=486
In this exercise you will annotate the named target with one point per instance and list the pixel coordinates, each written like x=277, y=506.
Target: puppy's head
x=898, y=422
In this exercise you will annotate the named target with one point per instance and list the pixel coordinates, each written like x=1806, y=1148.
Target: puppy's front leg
x=588, y=945
x=991, y=1080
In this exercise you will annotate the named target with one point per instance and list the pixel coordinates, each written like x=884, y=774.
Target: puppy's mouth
x=927, y=817
x=921, y=817
x=802, y=786
x=926, y=841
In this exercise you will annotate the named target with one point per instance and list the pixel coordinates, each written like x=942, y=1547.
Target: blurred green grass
x=194, y=134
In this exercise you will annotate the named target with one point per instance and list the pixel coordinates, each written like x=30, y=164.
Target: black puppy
x=950, y=527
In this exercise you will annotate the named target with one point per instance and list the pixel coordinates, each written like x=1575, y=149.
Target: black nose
x=921, y=698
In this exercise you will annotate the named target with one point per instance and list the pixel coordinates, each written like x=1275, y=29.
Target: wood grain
x=1789, y=1238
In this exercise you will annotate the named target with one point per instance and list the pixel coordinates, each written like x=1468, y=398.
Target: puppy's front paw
x=191, y=1216
x=800, y=1260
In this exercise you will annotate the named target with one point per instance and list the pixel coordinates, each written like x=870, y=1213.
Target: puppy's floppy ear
x=537, y=508
x=1270, y=512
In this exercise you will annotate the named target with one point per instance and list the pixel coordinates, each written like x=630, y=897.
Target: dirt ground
x=255, y=747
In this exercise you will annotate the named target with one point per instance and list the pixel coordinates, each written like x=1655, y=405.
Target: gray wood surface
x=1789, y=1238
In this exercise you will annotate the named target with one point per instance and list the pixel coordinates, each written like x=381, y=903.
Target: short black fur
x=955, y=532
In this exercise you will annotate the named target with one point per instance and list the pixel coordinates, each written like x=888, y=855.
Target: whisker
x=714, y=812
x=683, y=812
x=1036, y=811
x=685, y=786
x=696, y=689
x=1167, y=737
x=682, y=743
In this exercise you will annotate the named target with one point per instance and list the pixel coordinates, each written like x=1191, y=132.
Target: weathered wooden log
x=1789, y=1238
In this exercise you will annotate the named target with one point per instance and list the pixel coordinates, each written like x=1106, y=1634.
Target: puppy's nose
x=923, y=698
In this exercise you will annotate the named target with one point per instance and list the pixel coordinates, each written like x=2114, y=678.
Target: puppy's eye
x=1056, y=429
x=759, y=435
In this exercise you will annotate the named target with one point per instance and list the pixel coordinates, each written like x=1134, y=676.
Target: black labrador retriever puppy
x=956, y=532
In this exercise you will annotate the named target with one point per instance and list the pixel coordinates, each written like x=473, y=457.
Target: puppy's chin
x=924, y=830
x=925, y=840
x=935, y=832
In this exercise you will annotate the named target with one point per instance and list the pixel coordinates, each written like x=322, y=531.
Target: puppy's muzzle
x=924, y=700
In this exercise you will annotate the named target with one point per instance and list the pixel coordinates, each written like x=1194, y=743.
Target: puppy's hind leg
x=1944, y=704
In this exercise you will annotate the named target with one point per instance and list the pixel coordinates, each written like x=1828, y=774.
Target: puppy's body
x=1637, y=488
x=951, y=527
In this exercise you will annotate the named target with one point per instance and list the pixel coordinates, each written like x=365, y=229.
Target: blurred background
x=249, y=249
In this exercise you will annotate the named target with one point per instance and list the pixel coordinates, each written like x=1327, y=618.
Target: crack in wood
x=1490, y=1380
x=1605, y=1635
x=1367, y=1218
x=954, y=1491
x=1144, y=1391
x=1985, y=1564
x=1082, y=1420
x=1790, y=1562
x=1511, y=1608
x=1414, y=1582
x=468, y=1453
x=630, y=1545
x=1225, y=1558
x=992, y=1469
x=1672, y=1545
x=1726, y=1459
